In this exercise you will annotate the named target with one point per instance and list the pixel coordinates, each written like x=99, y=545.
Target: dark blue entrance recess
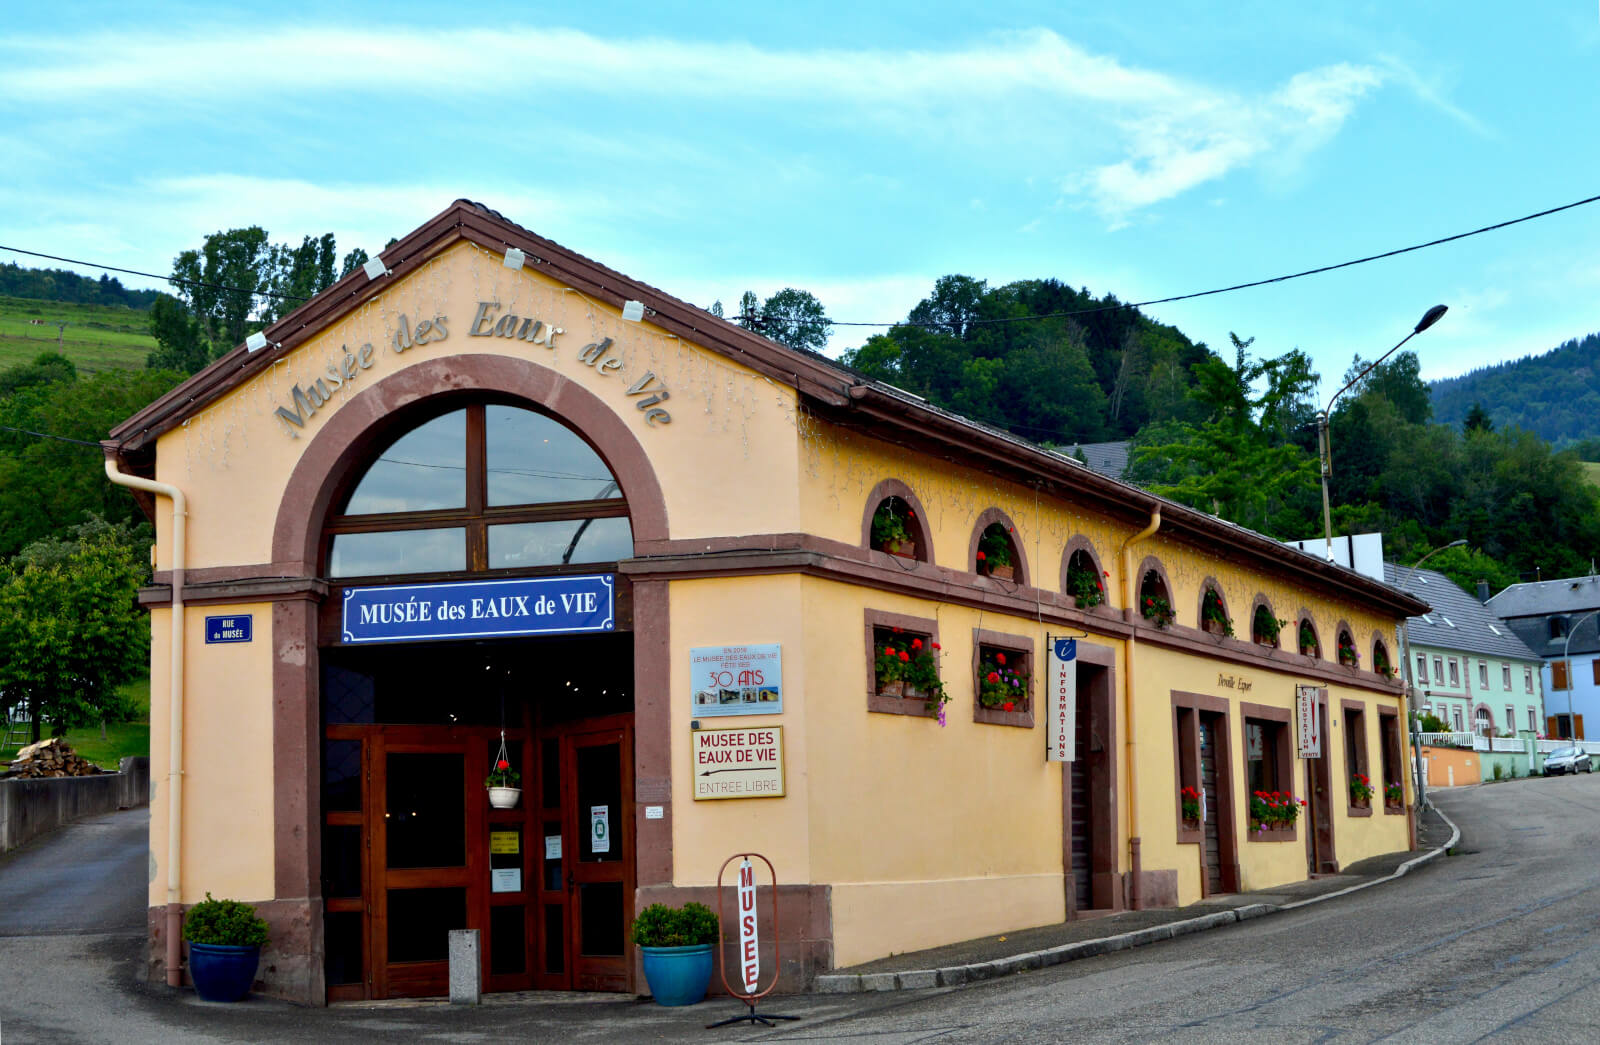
x=480, y=609
x=236, y=628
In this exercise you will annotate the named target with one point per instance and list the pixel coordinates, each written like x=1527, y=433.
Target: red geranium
x=916, y=643
x=992, y=677
x=981, y=556
x=904, y=656
x=502, y=764
x=1008, y=706
x=1000, y=658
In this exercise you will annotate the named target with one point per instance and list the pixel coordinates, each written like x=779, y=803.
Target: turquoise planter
x=678, y=975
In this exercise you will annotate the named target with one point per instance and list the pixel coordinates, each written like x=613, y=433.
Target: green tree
x=797, y=319
x=48, y=486
x=1477, y=420
x=71, y=632
x=222, y=282
x=180, y=344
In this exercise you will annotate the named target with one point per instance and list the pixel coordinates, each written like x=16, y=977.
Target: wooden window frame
x=1283, y=769
x=1390, y=748
x=475, y=516
x=918, y=627
x=1351, y=710
x=1007, y=643
x=1186, y=711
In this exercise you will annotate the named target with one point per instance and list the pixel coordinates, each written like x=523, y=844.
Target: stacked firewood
x=50, y=758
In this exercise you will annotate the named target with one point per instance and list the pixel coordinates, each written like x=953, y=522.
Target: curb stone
x=959, y=975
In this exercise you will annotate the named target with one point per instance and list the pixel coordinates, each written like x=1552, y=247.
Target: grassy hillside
x=97, y=337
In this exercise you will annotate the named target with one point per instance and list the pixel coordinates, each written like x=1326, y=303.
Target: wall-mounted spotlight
x=515, y=258
x=257, y=341
x=375, y=268
x=633, y=311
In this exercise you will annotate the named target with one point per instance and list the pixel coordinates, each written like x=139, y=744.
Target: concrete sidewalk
x=1046, y=945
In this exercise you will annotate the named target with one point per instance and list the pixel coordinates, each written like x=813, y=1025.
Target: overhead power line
x=1246, y=286
x=152, y=275
x=758, y=322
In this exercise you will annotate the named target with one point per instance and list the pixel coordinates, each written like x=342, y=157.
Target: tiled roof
x=1106, y=458
x=1542, y=598
x=1457, y=621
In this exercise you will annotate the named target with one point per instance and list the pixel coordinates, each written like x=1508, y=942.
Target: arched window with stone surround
x=895, y=529
x=483, y=487
x=1307, y=640
x=1380, y=659
x=1265, y=626
x=1155, y=601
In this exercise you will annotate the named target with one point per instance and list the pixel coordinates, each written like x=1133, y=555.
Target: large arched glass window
x=484, y=487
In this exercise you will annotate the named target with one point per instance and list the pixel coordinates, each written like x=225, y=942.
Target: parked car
x=1568, y=760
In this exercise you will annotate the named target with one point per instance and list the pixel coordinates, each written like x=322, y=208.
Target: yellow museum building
x=489, y=501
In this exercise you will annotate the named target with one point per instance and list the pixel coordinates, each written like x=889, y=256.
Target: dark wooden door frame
x=1188, y=753
x=1321, y=857
x=1096, y=678
x=617, y=974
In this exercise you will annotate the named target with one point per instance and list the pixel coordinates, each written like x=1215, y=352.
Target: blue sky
x=861, y=151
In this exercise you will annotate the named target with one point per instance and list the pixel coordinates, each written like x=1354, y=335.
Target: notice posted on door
x=738, y=763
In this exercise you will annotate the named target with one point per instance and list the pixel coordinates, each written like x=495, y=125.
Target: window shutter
x=1558, y=675
x=1595, y=664
x=1577, y=729
x=1550, y=726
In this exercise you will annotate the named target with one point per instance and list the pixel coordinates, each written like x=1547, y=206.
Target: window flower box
x=1361, y=791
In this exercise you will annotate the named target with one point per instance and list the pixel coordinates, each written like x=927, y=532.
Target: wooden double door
x=548, y=884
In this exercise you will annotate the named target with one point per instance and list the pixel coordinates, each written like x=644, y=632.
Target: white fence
x=1446, y=739
x=1503, y=745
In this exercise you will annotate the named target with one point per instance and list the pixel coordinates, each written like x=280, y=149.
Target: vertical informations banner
x=1062, y=679
x=1308, y=724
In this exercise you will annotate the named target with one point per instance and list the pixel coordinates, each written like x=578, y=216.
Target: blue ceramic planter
x=221, y=972
x=678, y=975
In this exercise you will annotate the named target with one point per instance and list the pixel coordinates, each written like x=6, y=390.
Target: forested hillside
x=1556, y=395
x=1084, y=378
x=61, y=285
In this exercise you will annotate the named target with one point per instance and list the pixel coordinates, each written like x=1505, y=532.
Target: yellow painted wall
x=227, y=754
x=1452, y=766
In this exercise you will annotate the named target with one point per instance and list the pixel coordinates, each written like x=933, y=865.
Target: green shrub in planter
x=226, y=922
x=225, y=940
x=675, y=948
x=661, y=926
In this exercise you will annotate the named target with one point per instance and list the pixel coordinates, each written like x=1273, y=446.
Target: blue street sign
x=236, y=628
x=480, y=609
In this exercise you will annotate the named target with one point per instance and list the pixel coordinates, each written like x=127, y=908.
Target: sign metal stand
x=749, y=945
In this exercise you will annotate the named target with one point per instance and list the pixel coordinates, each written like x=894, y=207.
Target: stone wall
x=30, y=808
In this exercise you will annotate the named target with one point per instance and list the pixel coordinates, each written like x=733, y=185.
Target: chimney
x=1483, y=591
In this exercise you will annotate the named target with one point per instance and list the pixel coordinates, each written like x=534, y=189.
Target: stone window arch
x=1345, y=650
x=1264, y=627
x=1308, y=625
x=995, y=533
x=1155, y=594
x=1213, y=613
x=1381, y=664
x=898, y=502
x=1082, y=577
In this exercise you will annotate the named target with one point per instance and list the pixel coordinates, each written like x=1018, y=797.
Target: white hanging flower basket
x=505, y=797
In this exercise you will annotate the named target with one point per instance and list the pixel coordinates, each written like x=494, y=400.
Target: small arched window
x=1348, y=654
x=997, y=552
x=1214, y=612
x=484, y=487
x=1155, y=602
x=1380, y=659
x=1309, y=644
x=1085, y=582
x=895, y=529
x=1265, y=626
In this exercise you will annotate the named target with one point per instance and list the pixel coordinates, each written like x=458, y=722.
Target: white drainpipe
x=175, y=704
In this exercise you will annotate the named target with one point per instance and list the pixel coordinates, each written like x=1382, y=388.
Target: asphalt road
x=1501, y=941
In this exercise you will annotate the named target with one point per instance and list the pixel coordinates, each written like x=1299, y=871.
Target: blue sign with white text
x=229, y=629
x=480, y=609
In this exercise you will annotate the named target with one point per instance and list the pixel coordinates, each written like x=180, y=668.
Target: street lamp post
x=1324, y=454
x=1415, y=733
